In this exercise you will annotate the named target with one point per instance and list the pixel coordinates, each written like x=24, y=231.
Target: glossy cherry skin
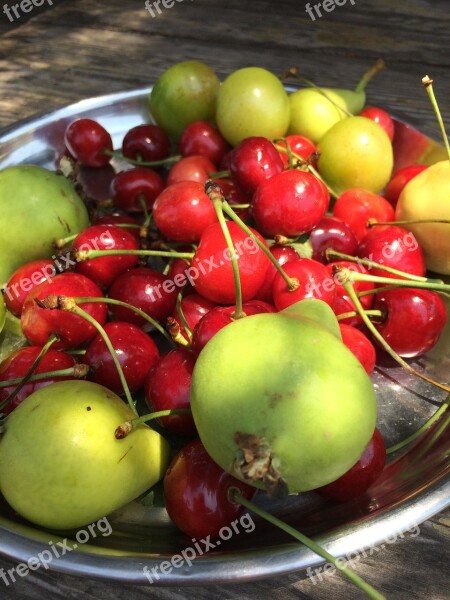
x=168, y=387
x=212, y=268
x=195, y=493
x=361, y=476
x=342, y=302
x=332, y=232
x=183, y=211
x=234, y=195
x=200, y=137
x=146, y=289
x=147, y=143
x=252, y=161
x=105, y=269
x=86, y=139
x=381, y=117
x=38, y=324
x=289, y=203
x=395, y=247
x=131, y=188
x=399, y=180
x=283, y=254
x=18, y=364
x=413, y=321
x=194, y=307
x=219, y=317
x=117, y=218
x=25, y=279
x=314, y=280
x=300, y=145
x=360, y=346
x=136, y=351
x=356, y=206
x=191, y=168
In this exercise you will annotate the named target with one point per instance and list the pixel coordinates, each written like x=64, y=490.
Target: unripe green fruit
x=2, y=313
x=283, y=391
x=61, y=466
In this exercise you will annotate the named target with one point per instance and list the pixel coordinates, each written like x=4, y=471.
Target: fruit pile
x=241, y=234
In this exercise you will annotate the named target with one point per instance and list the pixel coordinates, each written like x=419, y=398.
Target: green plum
x=37, y=206
x=2, y=313
x=280, y=402
x=61, y=466
x=184, y=93
x=252, y=102
x=427, y=196
x=356, y=153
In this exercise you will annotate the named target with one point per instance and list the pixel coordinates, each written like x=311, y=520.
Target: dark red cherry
x=360, y=346
x=342, y=302
x=399, y=180
x=332, y=232
x=361, y=476
x=146, y=143
x=86, y=140
x=132, y=189
x=191, y=168
x=118, y=218
x=17, y=366
x=25, y=279
x=136, y=351
x=168, y=387
x=381, y=117
x=252, y=161
x=196, y=493
x=234, y=195
x=194, y=307
x=283, y=254
x=200, y=137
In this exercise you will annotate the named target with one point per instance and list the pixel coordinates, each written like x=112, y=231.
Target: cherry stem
x=128, y=426
x=77, y=372
x=331, y=254
x=90, y=254
x=29, y=374
x=424, y=427
x=354, y=313
x=235, y=497
x=182, y=317
x=373, y=223
x=140, y=163
x=64, y=241
x=345, y=277
x=428, y=83
x=291, y=282
x=376, y=68
x=429, y=284
x=174, y=329
x=215, y=194
x=219, y=174
x=135, y=309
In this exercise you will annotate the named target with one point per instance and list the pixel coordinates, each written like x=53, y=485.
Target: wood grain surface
x=80, y=48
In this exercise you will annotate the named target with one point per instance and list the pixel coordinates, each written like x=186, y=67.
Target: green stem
x=372, y=223
x=128, y=426
x=90, y=254
x=182, y=317
x=428, y=284
x=71, y=371
x=236, y=498
x=354, y=313
x=428, y=83
x=368, y=75
x=140, y=163
x=219, y=174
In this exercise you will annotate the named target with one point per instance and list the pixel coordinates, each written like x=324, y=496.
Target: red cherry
x=314, y=280
x=356, y=206
x=146, y=289
x=17, y=366
x=136, y=351
x=361, y=476
x=168, y=387
x=360, y=345
x=381, y=117
x=252, y=161
x=289, y=203
x=195, y=493
x=194, y=307
x=211, y=268
x=38, y=324
x=200, y=137
x=300, y=145
x=283, y=254
x=233, y=195
x=191, y=168
x=342, y=302
x=131, y=188
x=146, y=143
x=395, y=247
x=86, y=140
x=118, y=218
x=183, y=211
x=413, y=319
x=25, y=279
x=399, y=180
x=105, y=269
x=334, y=233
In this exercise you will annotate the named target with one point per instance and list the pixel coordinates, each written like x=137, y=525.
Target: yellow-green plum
x=252, y=102
x=37, y=206
x=356, y=153
x=427, y=196
x=61, y=466
x=2, y=313
x=280, y=402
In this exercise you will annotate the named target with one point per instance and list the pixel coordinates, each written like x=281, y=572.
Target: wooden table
x=71, y=50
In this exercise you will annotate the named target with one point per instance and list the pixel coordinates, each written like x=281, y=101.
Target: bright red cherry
x=86, y=140
x=342, y=302
x=361, y=476
x=25, y=279
x=146, y=143
x=132, y=188
x=136, y=351
x=200, y=137
x=252, y=161
x=191, y=168
x=234, y=195
x=211, y=268
x=168, y=387
x=195, y=493
x=183, y=211
x=300, y=145
x=381, y=117
x=283, y=254
x=332, y=232
x=289, y=203
x=399, y=180
x=38, y=324
x=413, y=319
x=17, y=366
x=360, y=345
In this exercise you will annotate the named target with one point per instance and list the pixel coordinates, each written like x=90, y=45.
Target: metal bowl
x=414, y=486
